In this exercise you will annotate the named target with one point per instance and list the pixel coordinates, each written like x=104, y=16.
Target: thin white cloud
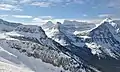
x=41, y=4
x=9, y=1
x=9, y=7
x=4, y=15
x=42, y=20
x=78, y=1
x=17, y=9
x=13, y=5
x=25, y=1
x=85, y=15
x=66, y=1
x=15, y=1
x=47, y=3
x=6, y=7
x=46, y=17
x=21, y=16
x=36, y=19
x=105, y=15
x=114, y=3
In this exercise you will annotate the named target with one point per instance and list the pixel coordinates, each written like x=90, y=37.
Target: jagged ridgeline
x=55, y=48
x=31, y=41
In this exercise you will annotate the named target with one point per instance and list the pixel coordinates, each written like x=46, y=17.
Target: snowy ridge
x=34, y=50
x=10, y=45
x=72, y=26
x=62, y=36
x=55, y=33
x=7, y=26
x=47, y=25
x=31, y=32
x=105, y=39
x=27, y=48
x=73, y=43
x=22, y=61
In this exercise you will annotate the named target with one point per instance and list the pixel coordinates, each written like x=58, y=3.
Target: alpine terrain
x=57, y=47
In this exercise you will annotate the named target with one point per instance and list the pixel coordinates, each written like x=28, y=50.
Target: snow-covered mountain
x=28, y=49
x=117, y=22
x=64, y=33
x=73, y=26
x=47, y=25
x=73, y=43
x=7, y=26
x=61, y=35
x=105, y=39
x=55, y=33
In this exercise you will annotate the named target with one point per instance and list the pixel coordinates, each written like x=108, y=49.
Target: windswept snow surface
x=13, y=61
x=6, y=67
x=8, y=62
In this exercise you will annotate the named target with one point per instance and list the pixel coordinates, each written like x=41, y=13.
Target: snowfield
x=14, y=61
x=5, y=67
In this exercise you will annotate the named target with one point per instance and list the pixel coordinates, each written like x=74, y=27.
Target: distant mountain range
x=55, y=47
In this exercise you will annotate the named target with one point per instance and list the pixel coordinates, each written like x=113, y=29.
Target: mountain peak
x=66, y=22
x=107, y=20
x=29, y=29
x=1, y=19
x=49, y=22
x=58, y=23
x=57, y=26
x=47, y=25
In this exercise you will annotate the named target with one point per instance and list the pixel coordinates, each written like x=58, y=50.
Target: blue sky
x=40, y=11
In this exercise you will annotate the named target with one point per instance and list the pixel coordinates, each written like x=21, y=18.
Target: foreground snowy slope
x=8, y=66
x=12, y=61
x=5, y=67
